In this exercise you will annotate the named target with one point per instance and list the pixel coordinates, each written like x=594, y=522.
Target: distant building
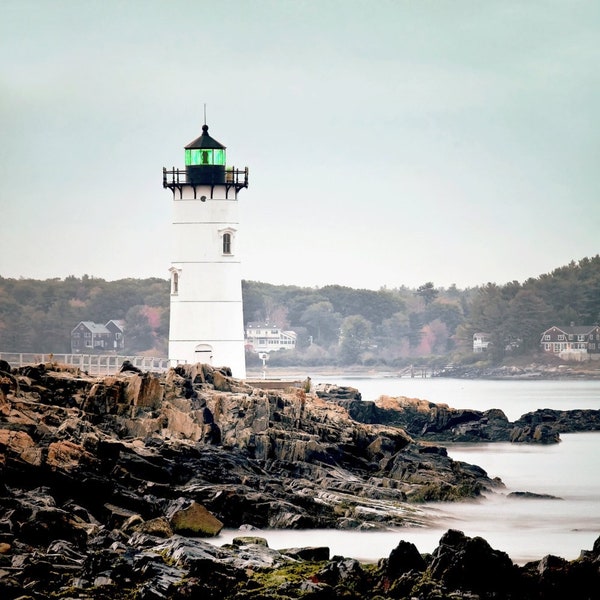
x=89, y=337
x=481, y=342
x=575, y=342
x=265, y=337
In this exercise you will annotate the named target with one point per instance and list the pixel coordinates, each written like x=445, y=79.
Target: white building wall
x=206, y=306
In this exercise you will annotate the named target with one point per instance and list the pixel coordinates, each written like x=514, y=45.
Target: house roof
x=259, y=325
x=93, y=327
x=205, y=141
x=572, y=329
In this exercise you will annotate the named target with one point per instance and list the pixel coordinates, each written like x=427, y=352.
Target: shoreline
x=532, y=372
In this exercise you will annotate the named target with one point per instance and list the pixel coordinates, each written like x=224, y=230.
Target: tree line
x=334, y=324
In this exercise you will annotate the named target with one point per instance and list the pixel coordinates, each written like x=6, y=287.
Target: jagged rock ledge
x=587, y=370
x=430, y=422
x=107, y=484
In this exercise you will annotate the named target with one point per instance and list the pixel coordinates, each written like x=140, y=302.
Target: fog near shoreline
x=526, y=529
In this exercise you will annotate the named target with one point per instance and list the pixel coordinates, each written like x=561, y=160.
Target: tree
x=253, y=301
x=449, y=313
x=428, y=292
x=322, y=322
x=434, y=338
x=488, y=315
x=139, y=335
x=395, y=331
x=528, y=315
x=355, y=337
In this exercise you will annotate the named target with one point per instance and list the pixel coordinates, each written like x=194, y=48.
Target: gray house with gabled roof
x=572, y=340
x=88, y=337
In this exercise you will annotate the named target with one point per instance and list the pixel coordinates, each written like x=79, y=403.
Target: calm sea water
x=527, y=529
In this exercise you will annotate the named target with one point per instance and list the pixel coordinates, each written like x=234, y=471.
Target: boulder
x=190, y=518
x=464, y=563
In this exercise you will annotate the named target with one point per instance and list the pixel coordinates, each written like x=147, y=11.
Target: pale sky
x=389, y=143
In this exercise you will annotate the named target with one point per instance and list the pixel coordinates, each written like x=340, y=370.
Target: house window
x=561, y=337
x=580, y=338
x=570, y=336
x=547, y=337
x=592, y=346
x=226, y=243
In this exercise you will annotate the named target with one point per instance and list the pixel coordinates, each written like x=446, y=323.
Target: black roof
x=204, y=141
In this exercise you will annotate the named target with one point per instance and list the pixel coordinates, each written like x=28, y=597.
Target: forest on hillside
x=334, y=324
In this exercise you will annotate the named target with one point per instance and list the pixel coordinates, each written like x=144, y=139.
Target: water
x=527, y=529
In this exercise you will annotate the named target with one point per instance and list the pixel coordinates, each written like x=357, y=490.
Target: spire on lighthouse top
x=205, y=141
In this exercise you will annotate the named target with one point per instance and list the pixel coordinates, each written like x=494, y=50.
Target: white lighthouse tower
x=206, y=322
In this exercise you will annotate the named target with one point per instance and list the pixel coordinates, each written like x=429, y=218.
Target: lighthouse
x=206, y=322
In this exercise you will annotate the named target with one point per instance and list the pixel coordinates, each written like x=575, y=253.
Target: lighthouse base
x=217, y=353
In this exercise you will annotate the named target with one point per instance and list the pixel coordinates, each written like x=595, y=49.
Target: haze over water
x=527, y=529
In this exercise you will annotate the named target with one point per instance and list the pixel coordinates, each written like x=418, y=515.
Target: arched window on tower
x=227, y=236
x=174, y=281
x=226, y=243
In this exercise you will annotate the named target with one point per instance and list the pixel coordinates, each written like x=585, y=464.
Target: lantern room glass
x=204, y=156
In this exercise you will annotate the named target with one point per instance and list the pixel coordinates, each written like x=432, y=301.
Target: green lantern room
x=205, y=160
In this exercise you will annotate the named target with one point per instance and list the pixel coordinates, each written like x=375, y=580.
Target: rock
x=190, y=518
x=312, y=553
x=464, y=563
x=404, y=558
x=330, y=392
x=249, y=540
x=158, y=527
x=345, y=575
x=67, y=456
x=425, y=420
x=532, y=496
x=133, y=464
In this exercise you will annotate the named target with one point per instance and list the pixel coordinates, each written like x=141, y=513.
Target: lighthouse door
x=203, y=353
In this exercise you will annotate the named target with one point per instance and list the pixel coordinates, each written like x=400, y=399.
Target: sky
x=389, y=143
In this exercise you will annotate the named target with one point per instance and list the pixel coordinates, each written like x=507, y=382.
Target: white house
x=481, y=342
x=265, y=337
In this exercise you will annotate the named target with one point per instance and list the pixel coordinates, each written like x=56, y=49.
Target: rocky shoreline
x=428, y=421
x=108, y=485
x=523, y=371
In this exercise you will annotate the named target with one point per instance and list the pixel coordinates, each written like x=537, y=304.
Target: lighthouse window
x=226, y=243
x=198, y=157
x=219, y=157
x=175, y=282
